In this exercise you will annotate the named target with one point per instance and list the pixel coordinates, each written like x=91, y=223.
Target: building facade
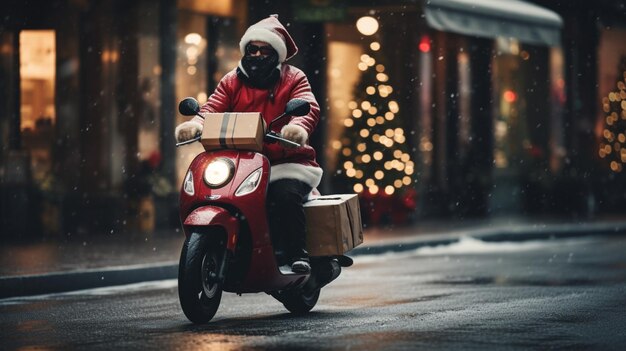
x=429, y=108
x=92, y=87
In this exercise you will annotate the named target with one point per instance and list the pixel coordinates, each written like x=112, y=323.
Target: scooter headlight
x=250, y=183
x=218, y=172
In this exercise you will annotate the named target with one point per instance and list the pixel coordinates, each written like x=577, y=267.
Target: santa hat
x=271, y=31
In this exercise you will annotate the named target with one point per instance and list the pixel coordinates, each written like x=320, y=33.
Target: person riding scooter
x=264, y=83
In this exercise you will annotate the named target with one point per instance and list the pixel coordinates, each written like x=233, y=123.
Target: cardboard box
x=333, y=224
x=233, y=130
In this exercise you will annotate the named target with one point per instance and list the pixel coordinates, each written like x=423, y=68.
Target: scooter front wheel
x=199, y=290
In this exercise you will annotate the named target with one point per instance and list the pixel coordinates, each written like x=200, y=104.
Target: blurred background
x=431, y=110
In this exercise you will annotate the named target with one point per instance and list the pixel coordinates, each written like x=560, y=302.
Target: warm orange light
x=424, y=45
x=373, y=189
x=510, y=96
x=367, y=25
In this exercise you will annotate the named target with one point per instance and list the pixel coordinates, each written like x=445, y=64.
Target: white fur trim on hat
x=307, y=174
x=268, y=36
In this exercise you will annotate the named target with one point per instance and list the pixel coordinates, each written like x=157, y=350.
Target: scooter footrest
x=345, y=261
x=286, y=269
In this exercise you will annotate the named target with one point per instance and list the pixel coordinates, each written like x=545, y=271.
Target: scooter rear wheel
x=299, y=302
x=199, y=291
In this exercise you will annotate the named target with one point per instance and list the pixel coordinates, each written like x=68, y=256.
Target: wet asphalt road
x=560, y=294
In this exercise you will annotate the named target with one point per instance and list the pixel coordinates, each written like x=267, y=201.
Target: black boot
x=300, y=262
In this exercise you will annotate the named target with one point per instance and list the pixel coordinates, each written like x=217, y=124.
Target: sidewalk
x=111, y=259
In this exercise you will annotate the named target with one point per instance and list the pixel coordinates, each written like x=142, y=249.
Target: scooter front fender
x=214, y=216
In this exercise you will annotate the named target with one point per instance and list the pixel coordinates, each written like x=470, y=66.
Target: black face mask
x=261, y=70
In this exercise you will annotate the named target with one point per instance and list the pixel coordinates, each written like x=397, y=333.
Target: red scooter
x=228, y=245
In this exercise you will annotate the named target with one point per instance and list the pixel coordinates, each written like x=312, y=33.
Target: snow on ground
x=469, y=246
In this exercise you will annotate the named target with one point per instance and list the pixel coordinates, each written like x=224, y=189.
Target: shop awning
x=494, y=18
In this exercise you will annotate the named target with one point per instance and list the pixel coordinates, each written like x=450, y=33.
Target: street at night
x=450, y=173
x=564, y=294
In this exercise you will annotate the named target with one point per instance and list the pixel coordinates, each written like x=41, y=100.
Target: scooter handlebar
x=270, y=135
x=278, y=137
x=196, y=138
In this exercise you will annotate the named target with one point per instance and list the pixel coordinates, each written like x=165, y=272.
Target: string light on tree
x=613, y=145
x=374, y=157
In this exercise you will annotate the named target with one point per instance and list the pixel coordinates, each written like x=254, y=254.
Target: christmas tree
x=374, y=156
x=613, y=145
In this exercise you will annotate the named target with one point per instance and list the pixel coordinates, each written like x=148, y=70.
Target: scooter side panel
x=264, y=275
x=252, y=205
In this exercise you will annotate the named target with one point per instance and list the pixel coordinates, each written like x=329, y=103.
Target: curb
x=84, y=279
x=95, y=278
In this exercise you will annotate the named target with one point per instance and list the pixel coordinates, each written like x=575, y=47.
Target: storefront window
x=342, y=77
x=37, y=110
x=465, y=97
x=424, y=87
x=526, y=133
x=191, y=75
x=509, y=128
x=557, y=99
x=207, y=49
x=149, y=84
x=371, y=151
x=610, y=126
x=368, y=141
x=510, y=133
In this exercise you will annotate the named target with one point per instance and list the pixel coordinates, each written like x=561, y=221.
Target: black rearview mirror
x=294, y=107
x=297, y=107
x=189, y=107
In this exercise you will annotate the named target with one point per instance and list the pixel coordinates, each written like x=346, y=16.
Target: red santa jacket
x=232, y=95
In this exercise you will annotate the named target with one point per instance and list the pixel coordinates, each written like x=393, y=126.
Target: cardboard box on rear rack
x=233, y=130
x=333, y=224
